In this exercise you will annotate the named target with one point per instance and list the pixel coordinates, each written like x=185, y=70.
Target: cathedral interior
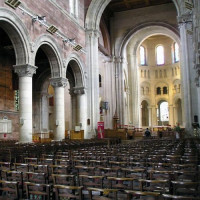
x=82, y=82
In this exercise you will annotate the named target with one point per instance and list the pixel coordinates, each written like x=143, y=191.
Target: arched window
x=164, y=111
x=176, y=52
x=73, y=5
x=164, y=90
x=160, y=55
x=158, y=90
x=142, y=56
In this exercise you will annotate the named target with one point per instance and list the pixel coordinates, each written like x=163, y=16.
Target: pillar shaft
x=25, y=73
x=59, y=111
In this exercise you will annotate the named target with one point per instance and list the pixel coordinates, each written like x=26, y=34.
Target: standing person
x=147, y=133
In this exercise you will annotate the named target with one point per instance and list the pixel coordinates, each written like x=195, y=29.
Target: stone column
x=93, y=80
x=175, y=115
x=74, y=106
x=81, y=109
x=185, y=27
x=154, y=116
x=25, y=73
x=59, y=111
x=119, y=89
x=171, y=115
x=150, y=116
x=141, y=116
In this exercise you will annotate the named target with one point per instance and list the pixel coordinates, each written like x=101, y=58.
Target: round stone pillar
x=25, y=73
x=81, y=109
x=59, y=111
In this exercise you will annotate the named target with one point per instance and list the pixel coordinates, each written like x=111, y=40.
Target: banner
x=100, y=129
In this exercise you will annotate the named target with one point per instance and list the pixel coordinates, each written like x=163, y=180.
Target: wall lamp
x=13, y=3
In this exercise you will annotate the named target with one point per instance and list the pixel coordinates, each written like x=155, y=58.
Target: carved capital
x=93, y=33
x=185, y=18
x=79, y=90
x=25, y=70
x=58, y=82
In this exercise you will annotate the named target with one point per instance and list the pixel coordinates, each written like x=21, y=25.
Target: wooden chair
x=108, y=171
x=38, y=191
x=46, y=161
x=36, y=177
x=85, y=170
x=121, y=183
x=91, y=181
x=16, y=176
x=136, y=173
x=63, y=179
x=9, y=190
x=104, y=194
x=31, y=160
x=68, y=192
x=169, y=196
x=5, y=166
x=59, y=169
x=142, y=195
x=22, y=167
x=161, y=186
x=186, y=188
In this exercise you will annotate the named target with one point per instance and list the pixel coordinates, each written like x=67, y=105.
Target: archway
x=75, y=97
x=14, y=45
x=46, y=82
x=163, y=113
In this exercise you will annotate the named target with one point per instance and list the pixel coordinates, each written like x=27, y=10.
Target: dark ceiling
x=124, y=5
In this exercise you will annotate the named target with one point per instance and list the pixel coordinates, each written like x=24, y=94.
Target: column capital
x=119, y=59
x=185, y=19
x=25, y=70
x=79, y=90
x=58, y=82
x=93, y=32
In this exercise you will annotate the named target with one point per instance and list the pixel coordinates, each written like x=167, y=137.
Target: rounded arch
x=78, y=72
x=97, y=7
x=145, y=99
x=49, y=46
x=18, y=35
x=161, y=99
x=139, y=33
x=94, y=13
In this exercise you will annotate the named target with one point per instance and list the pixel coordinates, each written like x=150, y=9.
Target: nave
x=101, y=169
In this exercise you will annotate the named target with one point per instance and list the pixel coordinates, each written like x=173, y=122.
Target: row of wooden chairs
x=10, y=191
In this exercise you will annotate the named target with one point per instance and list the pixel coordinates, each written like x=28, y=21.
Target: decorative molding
x=58, y=82
x=25, y=70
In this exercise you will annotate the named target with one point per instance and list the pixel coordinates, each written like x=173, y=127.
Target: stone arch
x=97, y=7
x=139, y=33
x=145, y=99
x=78, y=66
x=18, y=35
x=94, y=13
x=49, y=46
